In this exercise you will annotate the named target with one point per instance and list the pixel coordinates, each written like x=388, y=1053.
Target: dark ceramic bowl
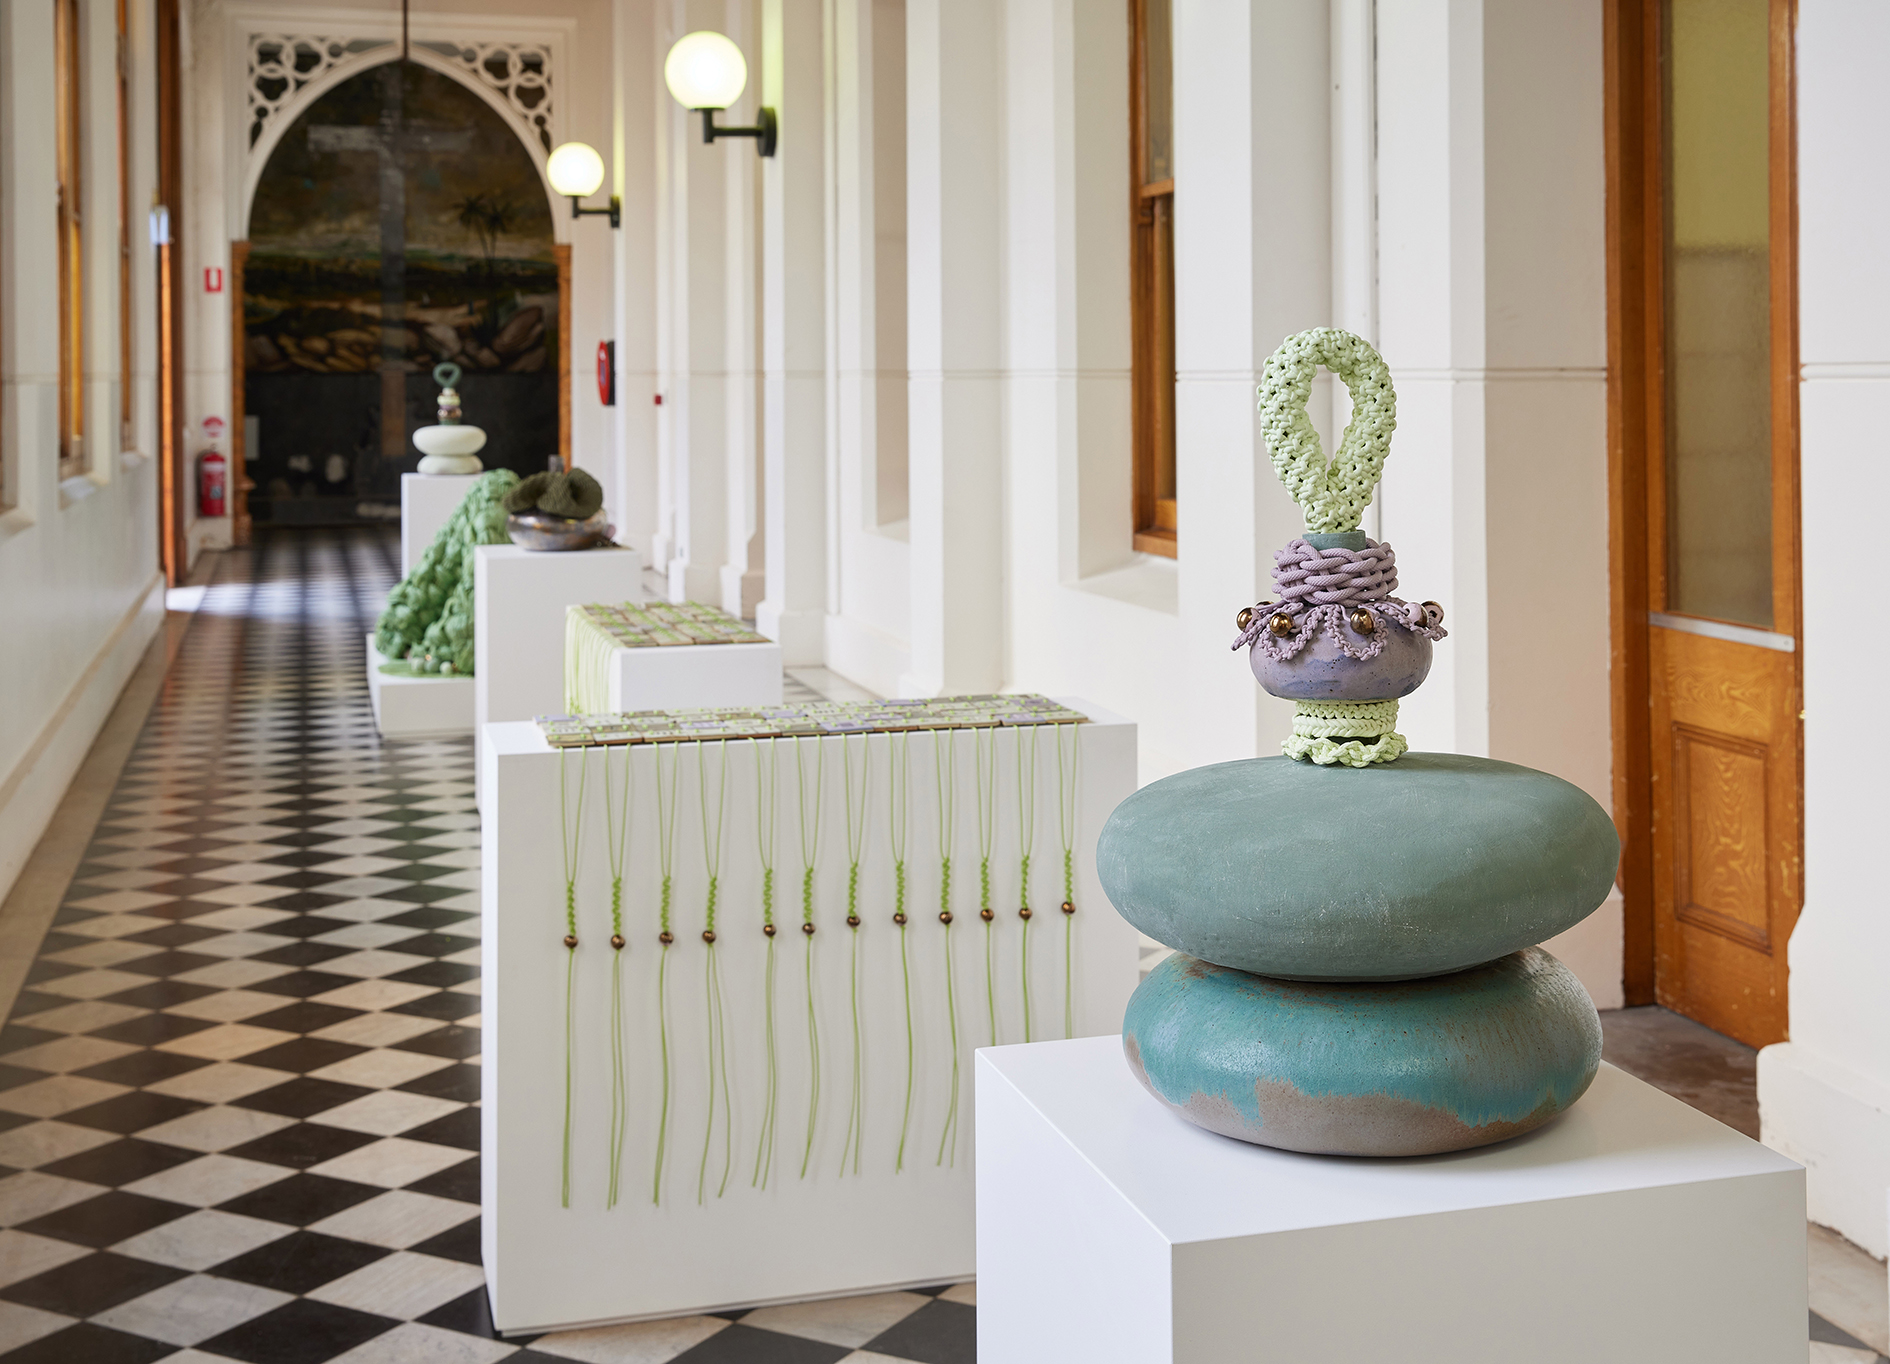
x=541, y=530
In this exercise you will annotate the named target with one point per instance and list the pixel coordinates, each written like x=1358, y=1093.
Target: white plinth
x=828, y=1233
x=418, y=707
x=678, y=676
x=519, y=598
x=1633, y=1229
x=426, y=501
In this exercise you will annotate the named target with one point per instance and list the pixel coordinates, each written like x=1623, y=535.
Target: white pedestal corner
x=418, y=707
x=426, y=502
x=679, y=676
x=1632, y=1229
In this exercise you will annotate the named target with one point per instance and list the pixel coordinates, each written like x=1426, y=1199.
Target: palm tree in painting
x=488, y=217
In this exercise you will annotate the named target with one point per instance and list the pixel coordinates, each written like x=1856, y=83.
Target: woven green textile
x=427, y=627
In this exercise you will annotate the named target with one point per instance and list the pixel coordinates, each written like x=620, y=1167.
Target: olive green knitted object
x=576, y=495
x=1334, y=494
x=427, y=627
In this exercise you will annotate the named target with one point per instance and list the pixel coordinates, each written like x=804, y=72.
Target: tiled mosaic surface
x=239, y=1090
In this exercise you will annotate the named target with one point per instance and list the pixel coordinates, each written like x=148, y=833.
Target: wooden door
x=1724, y=756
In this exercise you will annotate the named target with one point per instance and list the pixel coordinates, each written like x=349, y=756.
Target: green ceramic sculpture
x=427, y=628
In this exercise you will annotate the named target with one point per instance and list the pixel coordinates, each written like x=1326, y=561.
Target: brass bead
x=900, y=919
x=768, y=929
x=945, y=917
x=1243, y=619
x=986, y=915
x=1433, y=613
x=808, y=929
x=1281, y=625
x=853, y=921
x=570, y=940
x=1362, y=621
x=708, y=935
x=1068, y=908
x=665, y=939
x=1024, y=913
x=616, y=941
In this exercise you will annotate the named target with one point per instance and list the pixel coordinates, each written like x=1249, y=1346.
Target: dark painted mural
x=399, y=222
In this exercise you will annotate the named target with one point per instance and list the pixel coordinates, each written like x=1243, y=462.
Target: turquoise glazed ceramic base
x=1419, y=867
x=1366, y=1069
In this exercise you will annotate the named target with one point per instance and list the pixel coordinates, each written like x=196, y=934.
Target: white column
x=740, y=578
x=794, y=332
x=1824, y=1096
x=954, y=195
x=638, y=119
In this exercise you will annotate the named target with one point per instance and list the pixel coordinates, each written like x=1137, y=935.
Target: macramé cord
x=616, y=831
x=569, y=841
x=1066, y=827
x=810, y=848
x=665, y=847
x=1026, y=837
x=767, y=796
x=945, y=773
x=711, y=970
x=856, y=839
x=899, y=773
x=1334, y=494
x=984, y=753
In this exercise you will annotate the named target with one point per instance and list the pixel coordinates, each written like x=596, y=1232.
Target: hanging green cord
x=1026, y=839
x=945, y=773
x=810, y=847
x=898, y=771
x=1066, y=826
x=665, y=847
x=569, y=842
x=711, y=970
x=617, y=828
x=767, y=793
x=856, y=840
x=984, y=751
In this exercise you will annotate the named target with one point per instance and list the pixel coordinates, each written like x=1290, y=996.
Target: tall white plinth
x=426, y=501
x=679, y=676
x=833, y=1230
x=1632, y=1229
x=519, y=598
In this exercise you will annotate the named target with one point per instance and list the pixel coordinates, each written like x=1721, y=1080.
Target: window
x=1152, y=292
x=68, y=94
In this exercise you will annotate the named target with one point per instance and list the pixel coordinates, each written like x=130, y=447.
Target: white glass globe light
x=575, y=170
x=705, y=70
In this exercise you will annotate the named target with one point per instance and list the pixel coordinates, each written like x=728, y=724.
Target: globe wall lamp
x=705, y=72
x=576, y=171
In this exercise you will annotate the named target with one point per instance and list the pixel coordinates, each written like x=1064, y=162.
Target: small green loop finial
x=446, y=374
x=1333, y=494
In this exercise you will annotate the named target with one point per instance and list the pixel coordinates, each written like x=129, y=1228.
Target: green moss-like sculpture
x=575, y=495
x=427, y=628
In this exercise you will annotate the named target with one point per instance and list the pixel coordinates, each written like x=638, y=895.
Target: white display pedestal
x=1632, y=1229
x=519, y=598
x=418, y=707
x=426, y=501
x=680, y=676
x=828, y=1233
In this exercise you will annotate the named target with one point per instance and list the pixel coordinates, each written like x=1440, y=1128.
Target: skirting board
x=807, y=1235
x=1837, y=1125
x=32, y=790
x=418, y=707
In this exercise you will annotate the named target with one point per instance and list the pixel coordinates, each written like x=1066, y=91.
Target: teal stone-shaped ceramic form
x=1443, y=1064
x=1434, y=863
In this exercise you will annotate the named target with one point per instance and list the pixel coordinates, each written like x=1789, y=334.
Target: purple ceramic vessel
x=1323, y=672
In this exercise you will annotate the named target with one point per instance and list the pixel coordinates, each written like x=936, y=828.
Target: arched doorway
x=399, y=221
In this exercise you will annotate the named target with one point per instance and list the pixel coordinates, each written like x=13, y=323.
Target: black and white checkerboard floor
x=239, y=1089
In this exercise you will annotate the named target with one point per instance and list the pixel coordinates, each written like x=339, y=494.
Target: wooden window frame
x=69, y=167
x=1637, y=414
x=1152, y=314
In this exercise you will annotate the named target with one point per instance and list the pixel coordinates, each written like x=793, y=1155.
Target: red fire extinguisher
x=212, y=477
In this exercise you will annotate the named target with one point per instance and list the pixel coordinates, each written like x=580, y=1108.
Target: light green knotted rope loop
x=1333, y=495
x=945, y=774
x=570, y=842
x=810, y=848
x=1345, y=733
x=1026, y=839
x=767, y=794
x=665, y=849
x=617, y=828
x=856, y=843
x=984, y=753
x=898, y=774
x=711, y=969
x=1066, y=829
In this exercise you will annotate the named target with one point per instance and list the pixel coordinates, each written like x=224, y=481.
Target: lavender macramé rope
x=1319, y=587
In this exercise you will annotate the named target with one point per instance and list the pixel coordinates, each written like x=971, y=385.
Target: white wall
x=1824, y=1096
x=80, y=592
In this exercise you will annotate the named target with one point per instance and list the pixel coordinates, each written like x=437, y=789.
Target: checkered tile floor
x=239, y=1089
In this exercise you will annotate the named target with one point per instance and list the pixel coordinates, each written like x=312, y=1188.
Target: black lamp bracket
x=763, y=132
x=615, y=210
